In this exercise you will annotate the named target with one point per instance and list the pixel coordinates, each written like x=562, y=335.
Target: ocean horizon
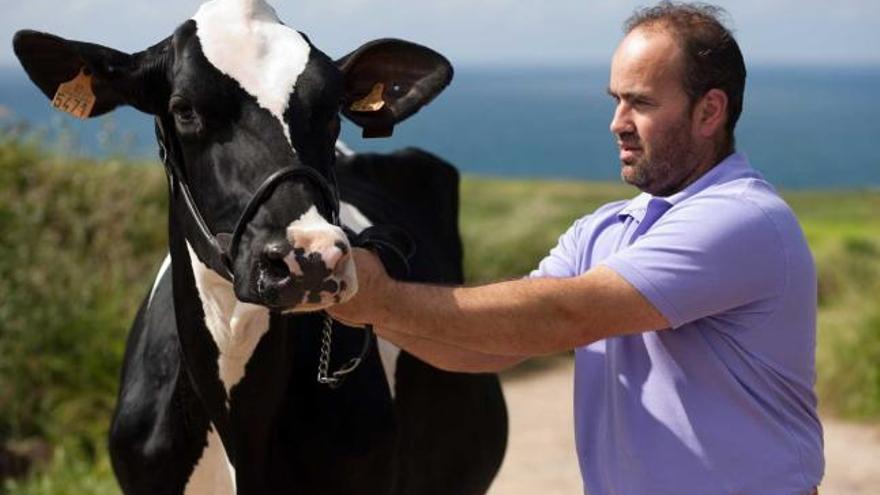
x=802, y=127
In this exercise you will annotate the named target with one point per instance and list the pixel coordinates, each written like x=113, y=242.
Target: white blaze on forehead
x=245, y=40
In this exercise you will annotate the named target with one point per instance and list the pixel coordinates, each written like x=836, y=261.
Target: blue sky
x=478, y=32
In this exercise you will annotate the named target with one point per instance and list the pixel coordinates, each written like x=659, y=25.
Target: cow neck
x=201, y=354
x=220, y=250
x=220, y=338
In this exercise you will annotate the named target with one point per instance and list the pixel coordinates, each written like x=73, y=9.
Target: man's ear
x=114, y=78
x=388, y=80
x=712, y=112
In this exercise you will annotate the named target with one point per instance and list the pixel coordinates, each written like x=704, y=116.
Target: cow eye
x=184, y=113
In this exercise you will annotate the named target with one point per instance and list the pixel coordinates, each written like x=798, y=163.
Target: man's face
x=652, y=121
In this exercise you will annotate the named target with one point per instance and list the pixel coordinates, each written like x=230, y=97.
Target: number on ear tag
x=76, y=96
x=373, y=102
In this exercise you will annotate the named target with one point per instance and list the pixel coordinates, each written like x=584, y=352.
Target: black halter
x=223, y=247
x=392, y=242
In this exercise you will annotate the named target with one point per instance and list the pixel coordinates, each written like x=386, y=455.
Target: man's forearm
x=495, y=319
x=449, y=357
x=516, y=318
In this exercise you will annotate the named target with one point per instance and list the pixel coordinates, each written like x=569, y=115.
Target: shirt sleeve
x=561, y=262
x=708, y=256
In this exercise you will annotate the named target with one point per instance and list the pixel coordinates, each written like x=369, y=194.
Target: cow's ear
x=388, y=80
x=109, y=77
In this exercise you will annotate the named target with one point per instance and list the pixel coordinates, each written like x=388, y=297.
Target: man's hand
x=371, y=299
x=373, y=304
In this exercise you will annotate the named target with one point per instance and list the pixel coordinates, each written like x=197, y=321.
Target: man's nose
x=621, y=122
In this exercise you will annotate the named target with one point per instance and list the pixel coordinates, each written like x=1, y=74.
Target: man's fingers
x=370, y=279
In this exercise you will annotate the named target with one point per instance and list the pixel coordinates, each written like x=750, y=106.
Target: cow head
x=240, y=96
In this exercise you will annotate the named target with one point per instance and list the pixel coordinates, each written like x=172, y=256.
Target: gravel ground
x=540, y=456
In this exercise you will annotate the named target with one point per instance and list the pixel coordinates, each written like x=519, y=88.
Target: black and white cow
x=218, y=392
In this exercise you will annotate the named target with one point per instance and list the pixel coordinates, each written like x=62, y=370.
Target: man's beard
x=662, y=168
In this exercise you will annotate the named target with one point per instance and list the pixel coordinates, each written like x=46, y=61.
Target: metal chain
x=324, y=359
x=335, y=380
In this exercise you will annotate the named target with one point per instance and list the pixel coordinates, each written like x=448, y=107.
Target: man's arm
x=448, y=357
x=515, y=319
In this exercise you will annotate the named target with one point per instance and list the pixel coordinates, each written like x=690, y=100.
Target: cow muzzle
x=309, y=270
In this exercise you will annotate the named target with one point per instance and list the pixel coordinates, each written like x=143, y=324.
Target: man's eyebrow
x=626, y=95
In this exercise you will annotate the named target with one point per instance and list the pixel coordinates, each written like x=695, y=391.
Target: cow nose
x=326, y=247
x=308, y=266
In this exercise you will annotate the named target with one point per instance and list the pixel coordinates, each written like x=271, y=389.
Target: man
x=691, y=307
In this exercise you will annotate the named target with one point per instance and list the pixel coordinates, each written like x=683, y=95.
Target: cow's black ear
x=388, y=80
x=115, y=78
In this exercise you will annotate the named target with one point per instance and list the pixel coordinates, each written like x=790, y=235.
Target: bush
x=849, y=328
x=69, y=473
x=78, y=240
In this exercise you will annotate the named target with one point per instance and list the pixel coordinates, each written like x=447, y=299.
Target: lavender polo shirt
x=723, y=402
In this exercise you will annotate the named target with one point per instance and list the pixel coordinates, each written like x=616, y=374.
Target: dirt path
x=541, y=460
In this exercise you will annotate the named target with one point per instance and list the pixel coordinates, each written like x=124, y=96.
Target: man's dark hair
x=712, y=58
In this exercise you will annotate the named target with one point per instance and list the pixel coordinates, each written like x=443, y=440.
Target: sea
x=802, y=127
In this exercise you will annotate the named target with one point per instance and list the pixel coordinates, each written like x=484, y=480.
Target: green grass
x=81, y=240
x=508, y=226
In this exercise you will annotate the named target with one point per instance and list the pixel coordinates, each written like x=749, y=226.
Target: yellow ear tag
x=373, y=102
x=76, y=96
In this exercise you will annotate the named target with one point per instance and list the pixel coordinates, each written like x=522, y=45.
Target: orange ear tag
x=76, y=96
x=373, y=102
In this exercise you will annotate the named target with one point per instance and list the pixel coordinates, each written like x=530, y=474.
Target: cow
x=218, y=391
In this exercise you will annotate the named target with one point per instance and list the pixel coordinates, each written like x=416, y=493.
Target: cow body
x=218, y=390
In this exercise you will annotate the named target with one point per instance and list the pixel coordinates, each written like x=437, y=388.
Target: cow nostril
x=276, y=251
x=277, y=270
x=273, y=261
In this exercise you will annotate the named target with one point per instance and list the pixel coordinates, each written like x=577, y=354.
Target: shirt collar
x=636, y=207
x=735, y=166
